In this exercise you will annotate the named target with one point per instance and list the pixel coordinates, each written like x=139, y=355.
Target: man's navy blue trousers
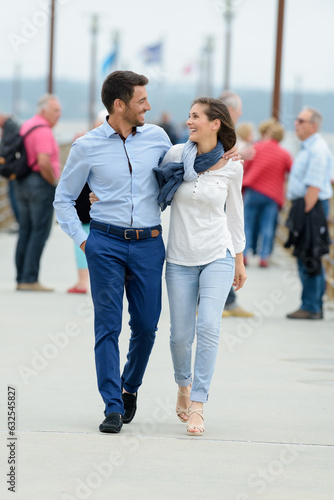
x=116, y=264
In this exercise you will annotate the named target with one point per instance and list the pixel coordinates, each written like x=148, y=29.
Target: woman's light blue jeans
x=203, y=288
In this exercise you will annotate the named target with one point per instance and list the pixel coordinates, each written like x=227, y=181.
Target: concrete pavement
x=269, y=420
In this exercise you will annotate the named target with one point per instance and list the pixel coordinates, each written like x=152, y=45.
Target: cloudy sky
x=184, y=26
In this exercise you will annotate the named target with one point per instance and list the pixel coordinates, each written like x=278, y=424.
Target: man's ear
x=315, y=128
x=119, y=104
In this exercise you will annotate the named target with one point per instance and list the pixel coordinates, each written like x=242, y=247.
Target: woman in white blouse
x=204, y=250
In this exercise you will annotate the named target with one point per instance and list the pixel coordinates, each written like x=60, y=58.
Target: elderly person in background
x=310, y=183
x=35, y=193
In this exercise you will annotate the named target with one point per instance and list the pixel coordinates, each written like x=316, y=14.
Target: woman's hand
x=233, y=153
x=240, y=274
x=93, y=198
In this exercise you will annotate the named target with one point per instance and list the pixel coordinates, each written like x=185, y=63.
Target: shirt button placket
x=194, y=192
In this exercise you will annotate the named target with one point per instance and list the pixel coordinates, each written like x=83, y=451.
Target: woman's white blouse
x=206, y=215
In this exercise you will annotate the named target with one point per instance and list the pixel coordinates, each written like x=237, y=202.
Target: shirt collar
x=109, y=131
x=40, y=119
x=307, y=143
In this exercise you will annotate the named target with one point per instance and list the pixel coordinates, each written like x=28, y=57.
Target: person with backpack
x=35, y=192
x=9, y=126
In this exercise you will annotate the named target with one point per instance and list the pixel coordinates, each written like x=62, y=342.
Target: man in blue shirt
x=124, y=248
x=310, y=179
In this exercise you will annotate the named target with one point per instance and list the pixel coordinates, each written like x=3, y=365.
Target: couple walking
x=135, y=172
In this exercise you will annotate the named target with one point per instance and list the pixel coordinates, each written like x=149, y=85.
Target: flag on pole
x=109, y=61
x=152, y=54
x=189, y=68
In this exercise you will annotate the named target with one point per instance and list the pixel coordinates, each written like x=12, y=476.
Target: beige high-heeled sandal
x=179, y=410
x=195, y=430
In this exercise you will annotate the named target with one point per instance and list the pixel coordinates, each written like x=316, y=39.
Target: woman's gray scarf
x=171, y=175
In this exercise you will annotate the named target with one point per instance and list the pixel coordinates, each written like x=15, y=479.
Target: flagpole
x=162, y=86
x=201, y=86
x=92, y=88
x=208, y=64
x=228, y=15
x=278, y=61
x=52, y=22
x=153, y=56
x=198, y=90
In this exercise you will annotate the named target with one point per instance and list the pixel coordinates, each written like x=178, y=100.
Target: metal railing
x=6, y=214
x=329, y=259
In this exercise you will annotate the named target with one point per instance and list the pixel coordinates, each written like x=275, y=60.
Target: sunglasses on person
x=301, y=120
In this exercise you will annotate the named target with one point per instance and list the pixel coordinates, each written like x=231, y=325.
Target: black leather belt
x=128, y=233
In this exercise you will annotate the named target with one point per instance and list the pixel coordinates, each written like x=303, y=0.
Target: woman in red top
x=263, y=185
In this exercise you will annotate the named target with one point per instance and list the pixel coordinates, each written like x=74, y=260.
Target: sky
x=183, y=26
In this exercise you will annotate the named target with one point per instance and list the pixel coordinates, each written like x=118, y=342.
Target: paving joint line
x=140, y=436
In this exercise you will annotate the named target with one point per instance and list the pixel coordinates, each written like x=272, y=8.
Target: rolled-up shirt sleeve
x=235, y=209
x=72, y=180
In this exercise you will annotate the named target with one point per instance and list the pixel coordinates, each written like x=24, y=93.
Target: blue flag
x=109, y=62
x=153, y=53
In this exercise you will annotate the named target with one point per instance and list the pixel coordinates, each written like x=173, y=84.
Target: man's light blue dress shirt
x=312, y=167
x=119, y=172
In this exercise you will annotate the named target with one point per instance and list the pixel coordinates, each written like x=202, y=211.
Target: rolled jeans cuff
x=199, y=397
x=183, y=382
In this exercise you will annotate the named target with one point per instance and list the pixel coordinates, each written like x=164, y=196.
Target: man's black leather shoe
x=130, y=406
x=112, y=423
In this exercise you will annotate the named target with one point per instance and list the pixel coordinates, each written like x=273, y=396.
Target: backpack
x=13, y=159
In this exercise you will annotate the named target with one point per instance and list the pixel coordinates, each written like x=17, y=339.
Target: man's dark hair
x=120, y=85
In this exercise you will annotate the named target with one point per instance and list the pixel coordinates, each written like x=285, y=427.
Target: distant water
x=65, y=131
